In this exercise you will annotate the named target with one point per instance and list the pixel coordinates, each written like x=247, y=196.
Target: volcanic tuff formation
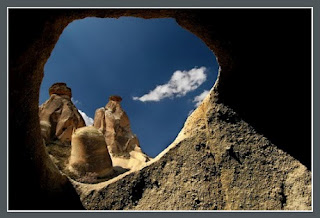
x=58, y=115
x=123, y=145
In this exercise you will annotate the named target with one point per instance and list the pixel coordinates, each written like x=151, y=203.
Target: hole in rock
x=160, y=70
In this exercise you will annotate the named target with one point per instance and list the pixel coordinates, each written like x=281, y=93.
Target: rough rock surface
x=217, y=162
x=58, y=115
x=89, y=153
x=114, y=123
x=123, y=145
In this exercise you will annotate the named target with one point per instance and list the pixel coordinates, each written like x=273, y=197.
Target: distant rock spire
x=122, y=144
x=114, y=123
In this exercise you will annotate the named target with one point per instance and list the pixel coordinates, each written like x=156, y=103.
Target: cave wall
x=265, y=60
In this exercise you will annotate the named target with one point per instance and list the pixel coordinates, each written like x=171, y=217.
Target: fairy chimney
x=114, y=123
x=58, y=115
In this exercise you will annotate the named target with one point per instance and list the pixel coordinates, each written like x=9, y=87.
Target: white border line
x=312, y=199
x=166, y=211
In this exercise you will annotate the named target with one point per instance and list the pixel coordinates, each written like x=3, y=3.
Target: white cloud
x=198, y=99
x=88, y=120
x=180, y=83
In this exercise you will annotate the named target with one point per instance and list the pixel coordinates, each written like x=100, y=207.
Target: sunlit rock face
x=89, y=153
x=123, y=145
x=58, y=115
x=114, y=123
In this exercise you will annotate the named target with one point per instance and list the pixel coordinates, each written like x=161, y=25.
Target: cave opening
x=27, y=157
x=161, y=71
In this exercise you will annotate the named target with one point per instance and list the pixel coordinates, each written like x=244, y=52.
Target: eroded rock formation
x=58, y=115
x=89, y=153
x=114, y=123
x=123, y=145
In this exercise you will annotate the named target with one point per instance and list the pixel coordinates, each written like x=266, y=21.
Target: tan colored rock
x=123, y=145
x=58, y=115
x=89, y=153
x=99, y=120
x=114, y=123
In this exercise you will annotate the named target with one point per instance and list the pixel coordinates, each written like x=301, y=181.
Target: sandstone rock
x=89, y=153
x=58, y=115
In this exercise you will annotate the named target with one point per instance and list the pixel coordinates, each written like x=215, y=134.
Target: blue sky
x=159, y=69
